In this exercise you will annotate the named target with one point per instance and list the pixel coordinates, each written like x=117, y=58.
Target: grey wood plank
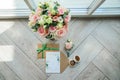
x=108, y=64
x=81, y=28
x=19, y=62
x=22, y=38
x=90, y=73
x=2, y=76
x=87, y=51
x=108, y=37
x=105, y=78
x=116, y=25
x=6, y=73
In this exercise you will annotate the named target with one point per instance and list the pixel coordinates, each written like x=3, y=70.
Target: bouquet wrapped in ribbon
x=50, y=20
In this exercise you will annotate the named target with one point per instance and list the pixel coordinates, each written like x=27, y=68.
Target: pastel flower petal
x=41, y=31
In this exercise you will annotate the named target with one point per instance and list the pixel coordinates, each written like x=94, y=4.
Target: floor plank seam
x=12, y=70
x=105, y=77
x=85, y=38
x=25, y=54
x=105, y=48
x=98, y=54
x=116, y=30
x=83, y=69
x=101, y=71
x=80, y=44
x=29, y=30
x=95, y=27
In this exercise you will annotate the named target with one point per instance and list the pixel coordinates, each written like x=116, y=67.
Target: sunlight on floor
x=4, y=27
x=6, y=53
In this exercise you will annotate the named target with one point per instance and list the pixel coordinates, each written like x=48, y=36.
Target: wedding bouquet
x=50, y=20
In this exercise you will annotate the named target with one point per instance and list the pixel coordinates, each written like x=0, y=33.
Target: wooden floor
x=97, y=42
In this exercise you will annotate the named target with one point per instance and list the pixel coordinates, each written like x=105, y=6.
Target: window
x=82, y=8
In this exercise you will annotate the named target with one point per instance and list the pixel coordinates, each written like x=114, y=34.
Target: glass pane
x=109, y=7
x=76, y=3
x=111, y=4
x=71, y=4
x=13, y=4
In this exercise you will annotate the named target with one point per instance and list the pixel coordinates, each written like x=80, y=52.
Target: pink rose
x=65, y=27
x=52, y=29
x=60, y=10
x=42, y=31
x=67, y=19
x=68, y=45
x=33, y=18
x=55, y=18
x=61, y=32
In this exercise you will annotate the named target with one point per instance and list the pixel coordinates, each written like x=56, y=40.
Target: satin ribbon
x=44, y=47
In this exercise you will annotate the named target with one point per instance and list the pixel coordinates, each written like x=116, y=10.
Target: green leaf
x=35, y=27
x=64, y=15
x=57, y=4
x=55, y=8
x=47, y=25
x=33, y=10
x=46, y=65
x=54, y=23
x=49, y=36
x=45, y=12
